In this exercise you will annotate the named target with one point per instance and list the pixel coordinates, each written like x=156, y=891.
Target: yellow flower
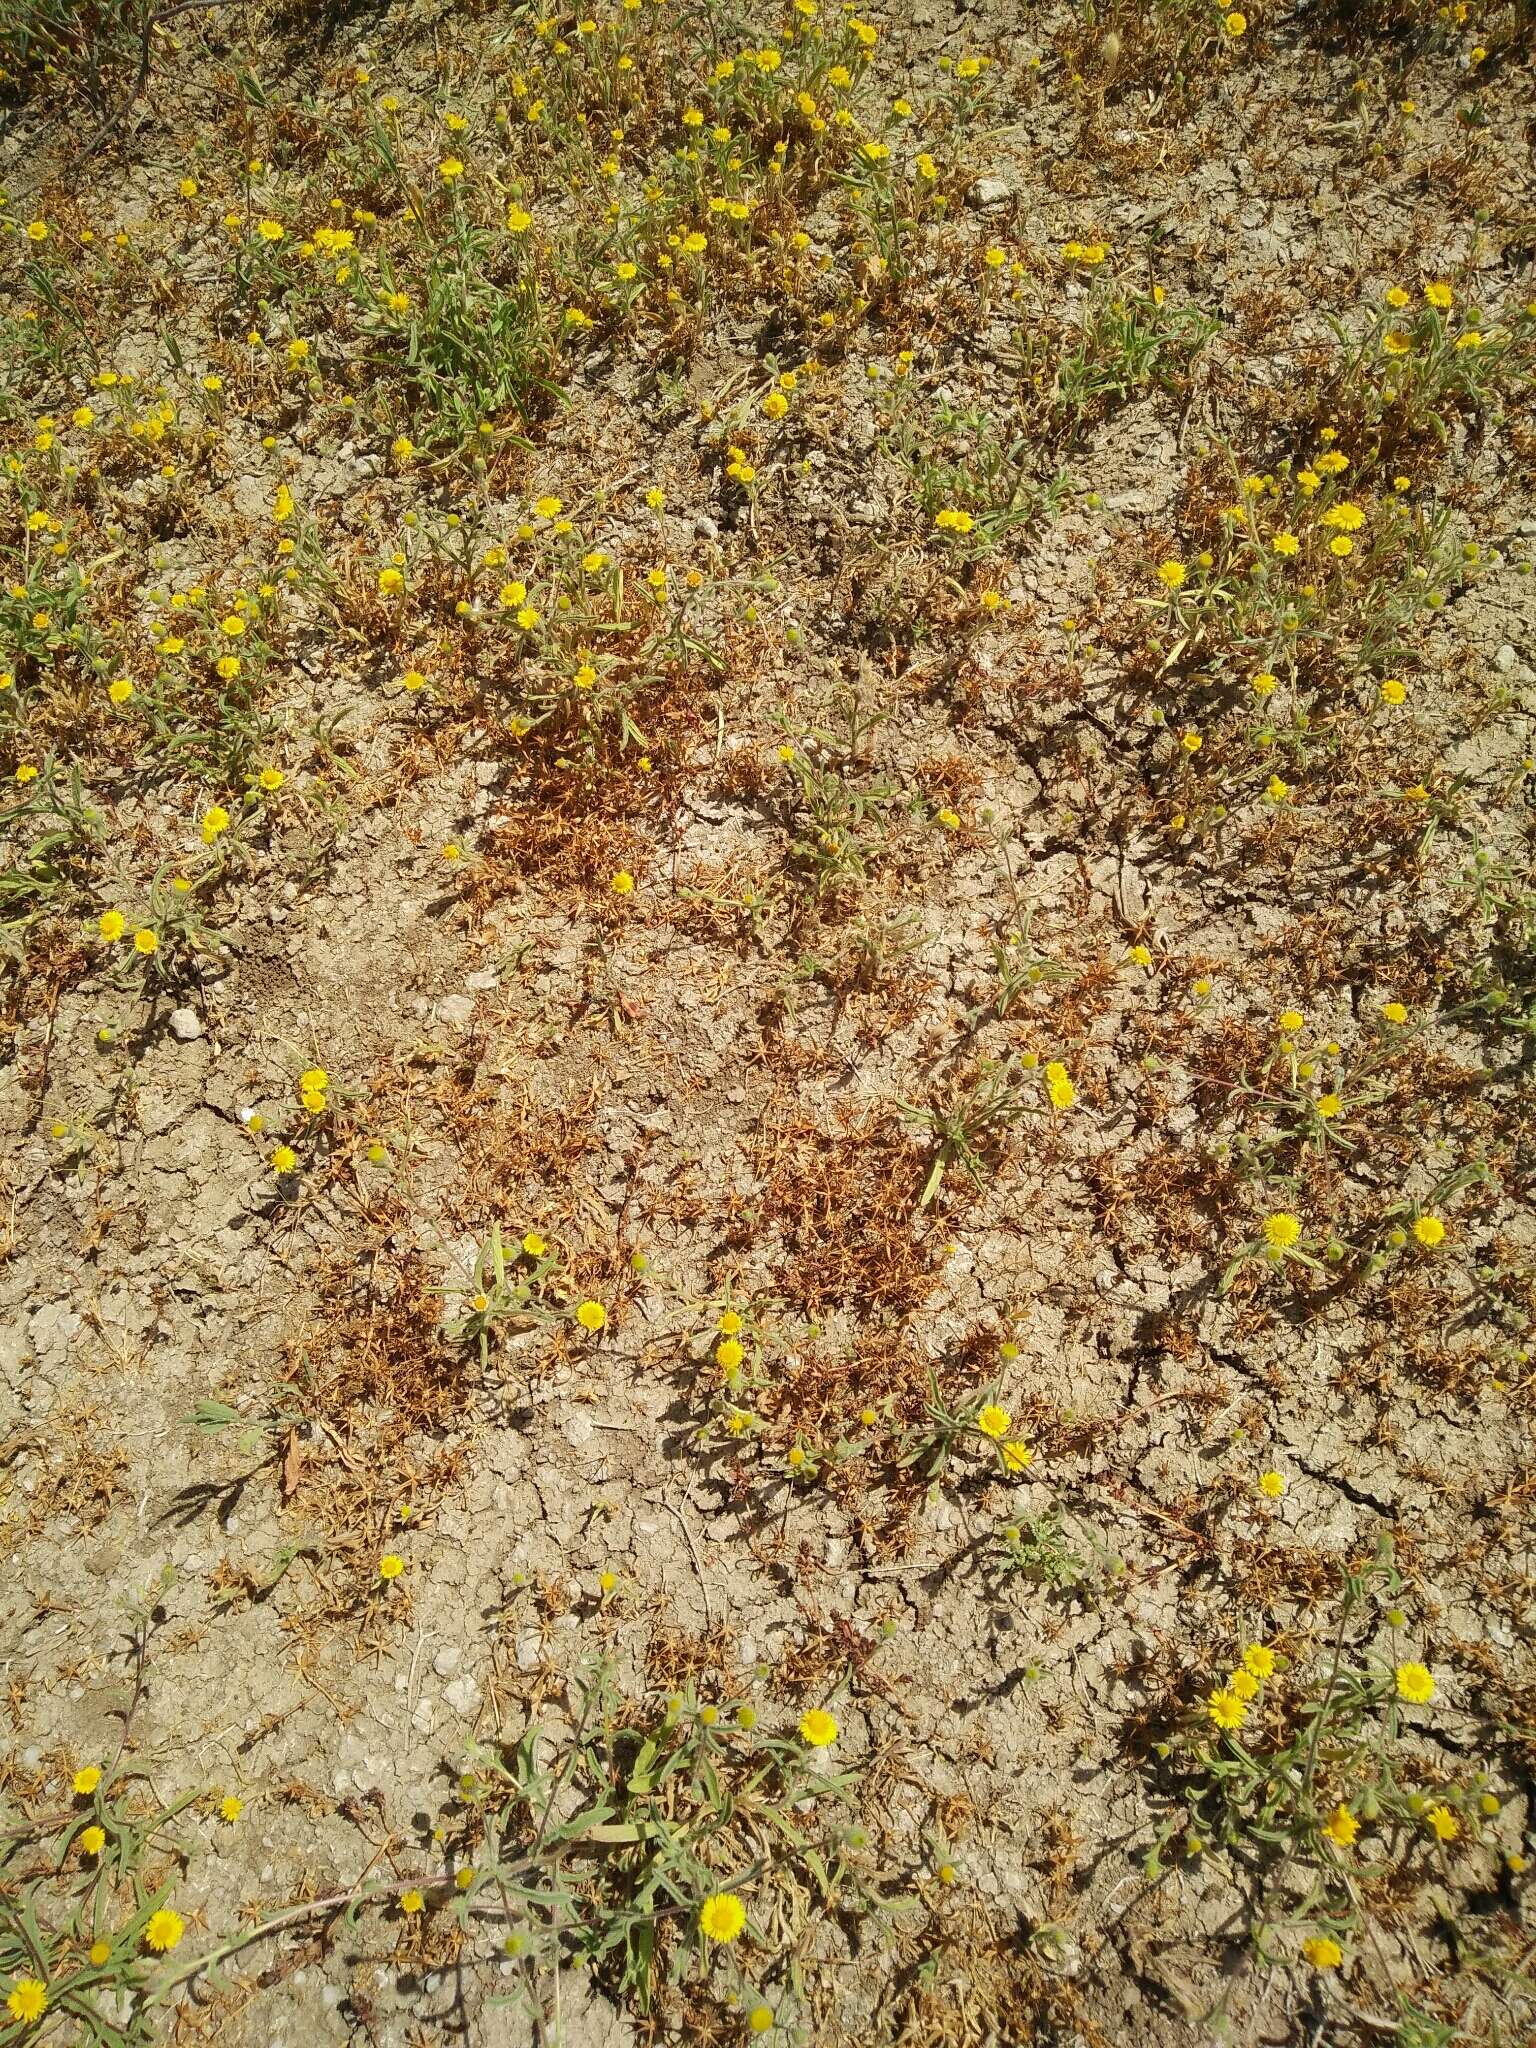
x=1017, y=1456
x=145, y=942
x=994, y=1422
x=1430, y=1231
x=37, y=231
x=230, y=1809
x=1341, y=1827
x=622, y=884
x=518, y=222
x=270, y=230
x=1393, y=692
x=722, y=1917
x=1235, y=24
x=93, y=1840
x=284, y=1159
x=1322, y=1953
x=534, y=1245
x=1225, y=1708
x=28, y=2000
x=412, y=1902
x=111, y=925
x=391, y=1566
x=1415, y=1683
x=591, y=1315
x=1271, y=1484
x=1173, y=574
x=1440, y=296
x=1281, y=1230
x=270, y=779
x=450, y=169
x=85, y=1781
x=1445, y=1824
x=1394, y=1013
x=818, y=1728
x=1259, y=1659
x=165, y=1929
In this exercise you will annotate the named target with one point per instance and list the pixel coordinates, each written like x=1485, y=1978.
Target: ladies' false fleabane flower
x=1415, y=1683
x=722, y=1917
x=591, y=1315
x=818, y=1728
x=164, y=1930
x=27, y=2000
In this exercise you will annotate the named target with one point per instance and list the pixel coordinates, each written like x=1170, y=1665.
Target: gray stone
x=186, y=1025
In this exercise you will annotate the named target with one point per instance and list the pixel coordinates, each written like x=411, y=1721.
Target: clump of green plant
x=973, y=476
x=1316, y=1781
x=1052, y=1551
x=972, y=1117
x=659, y=1841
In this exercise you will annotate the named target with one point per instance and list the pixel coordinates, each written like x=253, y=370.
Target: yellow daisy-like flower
x=1322, y=1953
x=994, y=1421
x=591, y=1315
x=27, y=2000
x=1415, y=1683
x=164, y=1930
x=1341, y=1827
x=1225, y=1708
x=818, y=1727
x=722, y=1917
x=85, y=1781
